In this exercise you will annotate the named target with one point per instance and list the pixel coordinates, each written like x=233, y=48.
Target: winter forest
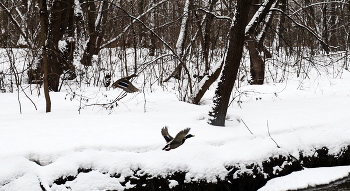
x=87, y=86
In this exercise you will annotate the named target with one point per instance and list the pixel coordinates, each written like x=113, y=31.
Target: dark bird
x=125, y=84
x=180, y=138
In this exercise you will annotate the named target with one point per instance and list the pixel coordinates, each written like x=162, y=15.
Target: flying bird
x=125, y=84
x=180, y=138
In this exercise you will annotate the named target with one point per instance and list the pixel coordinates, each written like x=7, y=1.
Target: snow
x=173, y=183
x=256, y=17
x=62, y=45
x=38, y=147
x=307, y=178
x=101, y=182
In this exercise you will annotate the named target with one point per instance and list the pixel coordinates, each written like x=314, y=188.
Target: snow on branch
x=99, y=15
x=213, y=14
x=318, y=3
x=17, y=25
x=268, y=18
x=259, y=15
x=181, y=39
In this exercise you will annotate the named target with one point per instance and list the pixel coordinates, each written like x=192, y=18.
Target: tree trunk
x=232, y=62
x=257, y=64
x=95, y=29
x=205, y=39
x=152, y=45
x=325, y=32
x=4, y=35
x=61, y=19
x=180, y=43
x=255, y=42
x=205, y=83
x=68, y=53
x=43, y=34
x=278, y=42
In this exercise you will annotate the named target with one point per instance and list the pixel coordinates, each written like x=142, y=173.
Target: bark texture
x=43, y=36
x=231, y=66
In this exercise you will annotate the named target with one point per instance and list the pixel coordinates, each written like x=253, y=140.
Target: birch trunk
x=180, y=43
x=152, y=47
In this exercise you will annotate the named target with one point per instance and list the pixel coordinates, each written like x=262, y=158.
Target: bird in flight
x=180, y=138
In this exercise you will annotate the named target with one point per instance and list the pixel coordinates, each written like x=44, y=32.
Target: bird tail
x=166, y=148
x=131, y=88
x=125, y=85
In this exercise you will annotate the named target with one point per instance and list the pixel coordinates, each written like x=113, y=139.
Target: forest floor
x=38, y=148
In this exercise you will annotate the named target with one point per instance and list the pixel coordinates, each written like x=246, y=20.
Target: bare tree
x=202, y=48
x=96, y=18
x=44, y=35
x=60, y=21
x=232, y=63
x=180, y=43
x=256, y=38
x=152, y=46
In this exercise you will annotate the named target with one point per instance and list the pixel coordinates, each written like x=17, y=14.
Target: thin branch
x=216, y=16
x=247, y=127
x=325, y=46
x=318, y=3
x=109, y=104
x=259, y=15
x=29, y=98
x=146, y=64
x=268, y=130
x=17, y=25
x=135, y=19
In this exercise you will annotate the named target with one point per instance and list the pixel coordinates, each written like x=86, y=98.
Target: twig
x=293, y=157
x=15, y=73
x=80, y=105
x=29, y=98
x=247, y=127
x=109, y=104
x=268, y=130
x=214, y=15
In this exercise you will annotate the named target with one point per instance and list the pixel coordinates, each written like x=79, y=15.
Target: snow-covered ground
x=307, y=178
x=42, y=147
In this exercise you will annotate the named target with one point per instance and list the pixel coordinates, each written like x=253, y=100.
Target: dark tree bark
x=60, y=20
x=89, y=9
x=152, y=43
x=257, y=64
x=95, y=29
x=4, y=35
x=208, y=81
x=278, y=41
x=232, y=62
x=68, y=53
x=204, y=34
x=43, y=33
x=255, y=45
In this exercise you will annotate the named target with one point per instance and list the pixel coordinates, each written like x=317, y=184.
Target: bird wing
x=181, y=135
x=126, y=85
x=131, y=88
x=166, y=135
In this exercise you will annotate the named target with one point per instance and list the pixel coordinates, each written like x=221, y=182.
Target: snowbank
x=39, y=150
